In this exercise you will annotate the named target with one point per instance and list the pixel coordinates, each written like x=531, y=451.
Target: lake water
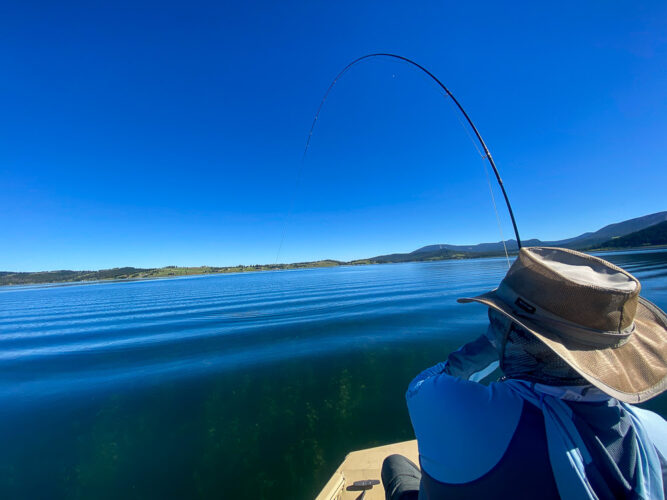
x=235, y=386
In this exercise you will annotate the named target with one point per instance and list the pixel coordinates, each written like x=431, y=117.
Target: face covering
x=523, y=356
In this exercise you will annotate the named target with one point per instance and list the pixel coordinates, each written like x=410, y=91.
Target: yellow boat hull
x=361, y=465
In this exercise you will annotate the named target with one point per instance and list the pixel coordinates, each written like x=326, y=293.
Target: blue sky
x=156, y=134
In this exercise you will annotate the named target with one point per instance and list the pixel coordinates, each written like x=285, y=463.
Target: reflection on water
x=249, y=386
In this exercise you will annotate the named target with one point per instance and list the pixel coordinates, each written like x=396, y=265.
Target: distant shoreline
x=126, y=274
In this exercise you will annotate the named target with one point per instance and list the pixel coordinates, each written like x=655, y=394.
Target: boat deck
x=363, y=465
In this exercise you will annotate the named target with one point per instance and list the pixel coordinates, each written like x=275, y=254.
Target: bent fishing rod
x=487, y=153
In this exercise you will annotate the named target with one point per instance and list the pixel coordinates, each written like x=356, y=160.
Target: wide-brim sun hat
x=589, y=312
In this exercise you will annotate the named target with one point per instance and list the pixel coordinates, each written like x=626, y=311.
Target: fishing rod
x=487, y=153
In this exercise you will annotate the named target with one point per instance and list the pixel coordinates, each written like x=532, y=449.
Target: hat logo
x=525, y=305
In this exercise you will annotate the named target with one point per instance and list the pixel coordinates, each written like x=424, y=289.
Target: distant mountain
x=654, y=235
x=439, y=254
x=584, y=241
x=647, y=230
x=479, y=248
x=611, y=231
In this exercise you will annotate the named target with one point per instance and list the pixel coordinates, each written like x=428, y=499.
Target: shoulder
x=463, y=428
x=655, y=427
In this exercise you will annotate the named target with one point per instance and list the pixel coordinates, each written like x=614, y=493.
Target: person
x=576, y=344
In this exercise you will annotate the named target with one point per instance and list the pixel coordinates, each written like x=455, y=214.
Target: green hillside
x=653, y=231
x=654, y=235
x=133, y=273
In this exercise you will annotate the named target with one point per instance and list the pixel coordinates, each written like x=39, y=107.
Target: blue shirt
x=483, y=439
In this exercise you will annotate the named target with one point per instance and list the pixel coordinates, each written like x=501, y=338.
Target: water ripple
x=83, y=337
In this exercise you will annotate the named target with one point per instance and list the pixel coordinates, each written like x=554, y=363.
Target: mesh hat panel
x=587, y=305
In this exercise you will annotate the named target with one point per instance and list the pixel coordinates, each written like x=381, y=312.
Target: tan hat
x=589, y=312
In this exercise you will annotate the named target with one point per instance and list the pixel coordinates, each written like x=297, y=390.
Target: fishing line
x=486, y=154
x=486, y=170
x=488, y=181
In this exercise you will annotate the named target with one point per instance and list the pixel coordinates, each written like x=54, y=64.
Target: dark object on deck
x=365, y=484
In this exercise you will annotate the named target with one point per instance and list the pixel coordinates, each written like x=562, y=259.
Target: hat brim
x=633, y=372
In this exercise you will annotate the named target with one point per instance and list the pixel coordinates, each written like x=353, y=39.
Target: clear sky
x=171, y=134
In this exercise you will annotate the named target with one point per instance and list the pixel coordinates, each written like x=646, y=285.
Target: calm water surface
x=229, y=386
